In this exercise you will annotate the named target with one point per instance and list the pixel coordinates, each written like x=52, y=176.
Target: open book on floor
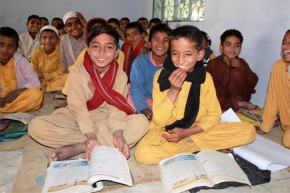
x=106, y=164
x=204, y=169
x=265, y=154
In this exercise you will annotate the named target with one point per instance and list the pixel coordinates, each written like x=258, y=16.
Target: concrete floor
x=23, y=166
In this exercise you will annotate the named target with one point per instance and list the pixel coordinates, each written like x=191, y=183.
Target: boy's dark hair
x=60, y=26
x=232, y=32
x=288, y=31
x=159, y=28
x=125, y=18
x=10, y=33
x=189, y=32
x=135, y=25
x=155, y=20
x=143, y=18
x=103, y=29
x=92, y=22
x=57, y=18
x=44, y=19
x=114, y=20
x=33, y=17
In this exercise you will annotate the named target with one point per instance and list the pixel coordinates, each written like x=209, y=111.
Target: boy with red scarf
x=97, y=112
x=134, y=45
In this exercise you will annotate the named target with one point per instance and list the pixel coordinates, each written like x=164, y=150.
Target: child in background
x=60, y=30
x=278, y=96
x=208, y=55
x=134, y=45
x=115, y=23
x=56, y=21
x=19, y=85
x=153, y=22
x=44, y=22
x=46, y=61
x=186, y=112
x=97, y=112
x=29, y=40
x=144, y=68
x=233, y=78
x=73, y=42
x=123, y=22
x=143, y=21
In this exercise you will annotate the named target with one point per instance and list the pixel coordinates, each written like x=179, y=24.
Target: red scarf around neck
x=128, y=51
x=104, y=87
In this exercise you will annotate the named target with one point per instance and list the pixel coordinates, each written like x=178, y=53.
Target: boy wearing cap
x=19, y=85
x=73, y=42
x=29, y=40
x=46, y=60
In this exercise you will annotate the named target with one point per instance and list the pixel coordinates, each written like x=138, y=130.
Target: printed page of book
x=67, y=176
x=265, y=154
x=23, y=117
x=221, y=168
x=182, y=172
x=107, y=163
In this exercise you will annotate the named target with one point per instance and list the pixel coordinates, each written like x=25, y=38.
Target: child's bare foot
x=68, y=151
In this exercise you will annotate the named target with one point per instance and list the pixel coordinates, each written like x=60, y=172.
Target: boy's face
x=55, y=22
x=8, y=46
x=74, y=27
x=143, y=23
x=33, y=25
x=123, y=24
x=286, y=48
x=231, y=48
x=61, y=32
x=48, y=40
x=43, y=23
x=184, y=54
x=102, y=50
x=114, y=25
x=133, y=36
x=159, y=44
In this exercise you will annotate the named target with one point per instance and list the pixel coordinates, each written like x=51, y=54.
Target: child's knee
x=143, y=155
x=286, y=138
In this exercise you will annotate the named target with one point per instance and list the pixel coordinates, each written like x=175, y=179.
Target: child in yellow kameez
x=186, y=111
x=19, y=85
x=46, y=61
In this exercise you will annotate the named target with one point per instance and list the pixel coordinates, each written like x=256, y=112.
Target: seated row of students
x=199, y=114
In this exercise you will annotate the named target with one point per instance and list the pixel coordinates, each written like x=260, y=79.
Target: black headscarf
x=196, y=77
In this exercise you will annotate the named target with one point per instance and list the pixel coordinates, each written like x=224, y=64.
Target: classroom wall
x=262, y=23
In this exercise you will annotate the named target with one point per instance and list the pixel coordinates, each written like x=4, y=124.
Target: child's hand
x=120, y=143
x=235, y=62
x=177, y=78
x=148, y=113
x=175, y=135
x=90, y=145
x=82, y=19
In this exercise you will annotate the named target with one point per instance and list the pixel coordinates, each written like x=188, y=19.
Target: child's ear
x=221, y=48
x=117, y=54
x=200, y=55
x=88, y=50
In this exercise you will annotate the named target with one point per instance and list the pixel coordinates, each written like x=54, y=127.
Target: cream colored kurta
x=69, y=125
x=278, y=101
x=51, y=68
x=27, y=45
x=153, y=147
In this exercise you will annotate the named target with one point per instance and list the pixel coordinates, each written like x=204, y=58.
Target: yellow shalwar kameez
x=51, y=68
x=153, y=147
x=30, y=99
x=278, y=101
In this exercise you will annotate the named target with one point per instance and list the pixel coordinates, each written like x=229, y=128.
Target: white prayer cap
x=68, y=15
x=50, y=27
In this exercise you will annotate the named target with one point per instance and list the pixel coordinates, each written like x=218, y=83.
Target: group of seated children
x=177, y=89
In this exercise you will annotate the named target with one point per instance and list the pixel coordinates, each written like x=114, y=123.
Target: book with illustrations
x=204, y=169
x=106, y=164
x=265, y=154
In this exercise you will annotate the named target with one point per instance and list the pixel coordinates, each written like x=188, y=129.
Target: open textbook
x=106, y=163
x=265, y=154
x=206, y=168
